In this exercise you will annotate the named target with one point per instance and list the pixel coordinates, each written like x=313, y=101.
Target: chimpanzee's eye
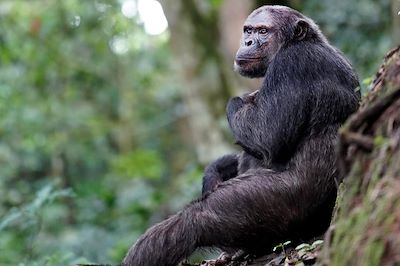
x=248, y=30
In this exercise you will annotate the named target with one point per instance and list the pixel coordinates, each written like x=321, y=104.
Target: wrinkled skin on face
x=259, y=44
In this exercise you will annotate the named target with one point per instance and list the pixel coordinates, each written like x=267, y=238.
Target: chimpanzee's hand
x=234, y=105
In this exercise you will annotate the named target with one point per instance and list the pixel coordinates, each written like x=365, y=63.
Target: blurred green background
x=108, y=113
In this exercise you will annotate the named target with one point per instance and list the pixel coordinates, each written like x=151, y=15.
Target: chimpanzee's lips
x=249, y=57
x=247, y=60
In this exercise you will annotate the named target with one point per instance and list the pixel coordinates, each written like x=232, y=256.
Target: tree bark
x=396, y=21
x=204, y=42
x=366, y=229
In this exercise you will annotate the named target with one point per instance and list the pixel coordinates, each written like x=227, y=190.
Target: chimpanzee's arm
x=272, y=124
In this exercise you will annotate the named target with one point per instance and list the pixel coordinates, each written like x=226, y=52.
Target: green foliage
x=31, y=211
x=361, y=30
x=307, y=247
x=139, y=163
x=216, y=3
x=26, y=221
x=87, y=102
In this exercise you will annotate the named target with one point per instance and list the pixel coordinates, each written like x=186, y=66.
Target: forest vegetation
x=107, y=119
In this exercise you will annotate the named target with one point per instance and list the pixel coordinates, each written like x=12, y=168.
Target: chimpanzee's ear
x=301, y=29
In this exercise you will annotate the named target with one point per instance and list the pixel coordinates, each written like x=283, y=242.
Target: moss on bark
x=366, y=227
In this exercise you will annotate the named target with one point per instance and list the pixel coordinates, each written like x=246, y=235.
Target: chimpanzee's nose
x=248, y=42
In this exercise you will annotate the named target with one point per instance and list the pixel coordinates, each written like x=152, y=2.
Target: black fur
x=219, y=171
x=282, y=187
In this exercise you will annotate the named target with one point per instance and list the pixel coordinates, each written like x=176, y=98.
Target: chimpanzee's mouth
x=248, y=58
x=244, y=60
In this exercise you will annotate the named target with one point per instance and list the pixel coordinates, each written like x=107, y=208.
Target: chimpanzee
x=283, y=185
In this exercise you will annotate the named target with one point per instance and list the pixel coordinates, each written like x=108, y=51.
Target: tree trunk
x=199, y=30
x=366, y=230
x=396, y=21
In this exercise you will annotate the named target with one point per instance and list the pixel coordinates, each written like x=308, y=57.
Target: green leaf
x=216, y=3
x=8, y=219
x=367, y=81
x=303, y=246
x=317, y=243
x=287, y=243
x=140, y=163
